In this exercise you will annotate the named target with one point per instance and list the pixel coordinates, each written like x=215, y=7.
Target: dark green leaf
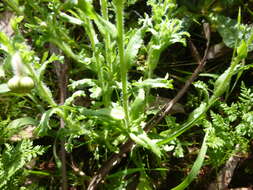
x=196, y=166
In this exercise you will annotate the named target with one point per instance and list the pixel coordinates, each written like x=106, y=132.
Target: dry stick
x=63, y=160
x=63, y=95
x=129, y=144
x=61, y=72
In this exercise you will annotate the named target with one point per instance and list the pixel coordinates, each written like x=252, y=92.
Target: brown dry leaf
x=26, y=133
x=5, y=25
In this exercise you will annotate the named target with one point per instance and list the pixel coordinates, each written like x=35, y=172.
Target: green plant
x=113, y=70
x=14, y=158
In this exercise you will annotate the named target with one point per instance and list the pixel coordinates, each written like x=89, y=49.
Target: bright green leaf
x=133, y=46
x=155, y=83
x=138, y=106
x=142, y=139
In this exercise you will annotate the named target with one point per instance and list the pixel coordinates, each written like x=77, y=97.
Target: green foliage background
x=122, y=61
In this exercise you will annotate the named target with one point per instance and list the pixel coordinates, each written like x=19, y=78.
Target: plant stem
x=119, y=4
x=14, y=5
x=63, y=80
x=104, y=8
x=129, y=144
x=43, y=92
x=93, y=39
x=108, y=52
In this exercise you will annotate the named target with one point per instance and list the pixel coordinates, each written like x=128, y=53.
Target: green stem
x=93, y=39
x=43, y=92
x=200, y=111
x=14, y=6
x=153, y=59
x=119, y=4
x=108, y=52
x=36, y=172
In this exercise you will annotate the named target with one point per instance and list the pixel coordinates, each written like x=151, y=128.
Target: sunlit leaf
x=71, y=19
x=142, y=139
x=87, y=8
x=242, y=50
x=96, y=92
x=116, y=113
x=133, y=46
x=82, y=83
x=137, y=107
x=203, y=88
x=155, y=83
x=106, y=26
x=222, y=83
x=44, y=124
x=45, y=63
x=76, y=94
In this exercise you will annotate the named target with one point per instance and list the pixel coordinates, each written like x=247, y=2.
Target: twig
x=61, y=71
x=63, y=95
x=225, y=175
x=129, y=144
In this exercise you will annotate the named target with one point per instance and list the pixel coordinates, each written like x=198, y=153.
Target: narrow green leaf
x=197, y=112
x=239, y=17
x=242, y=50
x=115, y=113
x=40, y=173
x=155, y=83
x=138, y=106
x=45, y=63
x=144, y=182
x=192, y=119
x=71, y=19
x=4, y=42
x=196, y=166
x=142, y=139
x=45, y=93
x=56, y=157
x=15, y=21
x=133, y=170
x=154, y=56
x=222, y=83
